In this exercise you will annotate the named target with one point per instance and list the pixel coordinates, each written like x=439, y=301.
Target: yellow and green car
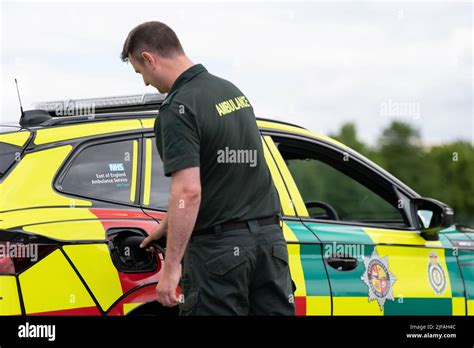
x=78, y=191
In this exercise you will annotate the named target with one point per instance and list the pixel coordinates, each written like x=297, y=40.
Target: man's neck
x=178, y=67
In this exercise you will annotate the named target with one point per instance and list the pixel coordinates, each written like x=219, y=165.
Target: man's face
x=148, y=71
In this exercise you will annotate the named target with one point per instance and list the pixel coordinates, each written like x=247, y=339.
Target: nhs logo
x=116, y=167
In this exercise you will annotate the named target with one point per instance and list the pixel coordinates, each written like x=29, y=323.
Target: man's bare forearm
x=182, y=213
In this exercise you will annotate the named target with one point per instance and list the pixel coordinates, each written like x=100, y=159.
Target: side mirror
x=431, y=216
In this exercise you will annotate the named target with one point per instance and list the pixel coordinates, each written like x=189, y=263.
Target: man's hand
x=157, y=232
x=183, y=207
x=166, y=288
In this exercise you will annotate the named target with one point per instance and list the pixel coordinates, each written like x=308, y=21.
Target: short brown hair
x=154, y=37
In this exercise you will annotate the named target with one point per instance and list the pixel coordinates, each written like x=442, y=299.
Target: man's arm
x=184, y=201
x=183, y=207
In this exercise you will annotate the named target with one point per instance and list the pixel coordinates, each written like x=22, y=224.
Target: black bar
x=258, y=330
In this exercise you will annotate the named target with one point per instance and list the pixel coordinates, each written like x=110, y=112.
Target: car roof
x=122, y=113
x=275, y=125
x=73, y=127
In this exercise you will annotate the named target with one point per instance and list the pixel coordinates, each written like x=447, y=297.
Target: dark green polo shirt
x=206, y=121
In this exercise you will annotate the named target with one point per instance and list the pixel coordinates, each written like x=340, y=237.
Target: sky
x=316, y=64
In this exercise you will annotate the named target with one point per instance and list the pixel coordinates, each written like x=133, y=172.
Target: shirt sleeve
x=178, y=134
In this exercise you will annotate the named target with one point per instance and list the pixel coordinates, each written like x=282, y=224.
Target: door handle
x=342, y=263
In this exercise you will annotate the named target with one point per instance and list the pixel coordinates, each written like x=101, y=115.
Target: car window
x=8, y=155
x=105, y=171
x=160, y=184
x=333, y=187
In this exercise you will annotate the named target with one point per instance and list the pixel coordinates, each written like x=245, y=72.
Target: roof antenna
x=31, y=118
x=18, y=92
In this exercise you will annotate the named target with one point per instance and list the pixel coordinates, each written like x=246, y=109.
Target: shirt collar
x=186, y=76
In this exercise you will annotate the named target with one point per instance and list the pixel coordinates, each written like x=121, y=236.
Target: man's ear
x=149, y=59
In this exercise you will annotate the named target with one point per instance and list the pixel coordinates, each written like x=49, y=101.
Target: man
x=223, y=213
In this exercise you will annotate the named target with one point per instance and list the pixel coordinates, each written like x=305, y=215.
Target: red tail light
x=6, y=266
x=17, y=257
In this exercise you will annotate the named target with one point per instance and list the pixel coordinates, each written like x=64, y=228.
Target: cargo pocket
x=281, y=252
x=188, y=306
x=224, y=263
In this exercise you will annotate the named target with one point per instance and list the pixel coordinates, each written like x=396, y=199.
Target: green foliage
x=444, y=172
x=352, y=201
x=454, y=165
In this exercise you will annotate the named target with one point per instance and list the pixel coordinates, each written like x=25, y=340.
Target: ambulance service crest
x=378, y=278
x=436, y=274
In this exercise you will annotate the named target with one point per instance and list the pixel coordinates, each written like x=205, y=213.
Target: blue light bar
x=99, y=103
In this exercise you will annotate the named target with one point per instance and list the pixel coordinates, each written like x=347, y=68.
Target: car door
x=107, y=171
x=377, y=262
x=156, y=186
x=312, y=295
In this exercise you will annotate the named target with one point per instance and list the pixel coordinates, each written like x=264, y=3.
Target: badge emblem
x=378, y=278
x=436, y=274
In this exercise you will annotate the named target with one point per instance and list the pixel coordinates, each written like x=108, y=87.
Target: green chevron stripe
x=418, y=306
x=313, y=268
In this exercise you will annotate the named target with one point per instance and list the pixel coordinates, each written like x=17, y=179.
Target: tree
x=401, y=154
x=455, y=178
x=444, y=172
x=348, y=136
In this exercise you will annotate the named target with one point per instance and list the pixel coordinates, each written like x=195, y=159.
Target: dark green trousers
x=240, y=272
